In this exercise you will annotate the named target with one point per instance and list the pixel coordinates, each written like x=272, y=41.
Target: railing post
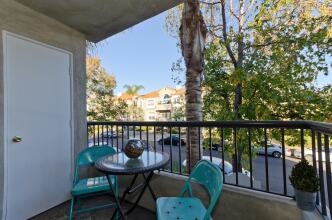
x=180, y=165
x=283, y=160
x=302, y=144
x=321, y=173
x=250, y=158
x=266, y=162
x=236, y=156
x=222, y=154
x=314, y=162
x=328, y=171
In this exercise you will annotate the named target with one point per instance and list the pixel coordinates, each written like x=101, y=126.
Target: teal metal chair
x=90, y=186
x=191, y=208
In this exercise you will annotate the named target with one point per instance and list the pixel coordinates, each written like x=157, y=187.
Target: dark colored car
x=175, y=140
x=214, y=145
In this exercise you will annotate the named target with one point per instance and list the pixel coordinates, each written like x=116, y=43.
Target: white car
x=272, y=150
x=218, y=162
x=308, y=154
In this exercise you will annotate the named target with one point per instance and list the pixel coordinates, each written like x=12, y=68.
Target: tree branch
x=231, y=9
x=249, y=7
x=228, y=48
x=210, y=3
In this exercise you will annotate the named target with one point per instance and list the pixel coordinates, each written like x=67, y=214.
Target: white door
x=38, y=109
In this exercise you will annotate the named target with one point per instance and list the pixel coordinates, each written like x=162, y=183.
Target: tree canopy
x=132, y=89
x=262, y=61
x=101, y=102
x=273, y=51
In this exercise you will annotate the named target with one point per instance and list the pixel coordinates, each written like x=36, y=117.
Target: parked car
x=91, y=144
x=228, y=166
x=175, y=140
x=109, y=134
x=308, y=154
x=218, y=161
x=288, y=152
x=214, y=145
x=272, y=150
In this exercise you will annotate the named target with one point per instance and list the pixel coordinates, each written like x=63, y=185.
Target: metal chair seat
x=206, y=174
x=91, y=185
x=180, y=208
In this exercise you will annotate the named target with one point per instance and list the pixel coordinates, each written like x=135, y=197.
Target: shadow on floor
x=61, y=212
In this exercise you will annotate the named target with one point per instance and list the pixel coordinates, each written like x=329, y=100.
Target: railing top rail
x=317, y=126
x=225, y=124
x=323, y=127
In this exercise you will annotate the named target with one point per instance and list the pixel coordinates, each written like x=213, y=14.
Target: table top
x=119, y=163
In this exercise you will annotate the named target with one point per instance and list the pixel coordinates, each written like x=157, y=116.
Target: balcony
x=163, y=107
x=261, y=189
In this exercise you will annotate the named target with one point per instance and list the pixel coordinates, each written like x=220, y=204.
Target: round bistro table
x=120, y=164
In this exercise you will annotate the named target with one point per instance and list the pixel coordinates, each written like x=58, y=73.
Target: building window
x=177, y=100
x=150, y=103
x=166, y=99
x=165, y=115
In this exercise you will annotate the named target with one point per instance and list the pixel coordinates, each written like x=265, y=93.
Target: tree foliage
x=101, y=103
x=132, y=89
x=262, y=60
x=285, y=51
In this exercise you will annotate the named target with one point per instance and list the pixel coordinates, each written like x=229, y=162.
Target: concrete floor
x=61, y=211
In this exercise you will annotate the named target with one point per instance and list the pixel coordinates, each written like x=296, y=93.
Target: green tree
x=262, y=60
x=101, y=104
x=285, y=51
x=178, y=113
x=133, y=89
x=135, y=113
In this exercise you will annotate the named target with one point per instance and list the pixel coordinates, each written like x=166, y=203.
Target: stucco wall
x=21, y=20
x=234, y=203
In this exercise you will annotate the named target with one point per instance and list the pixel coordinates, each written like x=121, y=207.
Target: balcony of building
x=261, y=190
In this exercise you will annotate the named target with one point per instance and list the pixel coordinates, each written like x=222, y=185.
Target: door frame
x=5, y=34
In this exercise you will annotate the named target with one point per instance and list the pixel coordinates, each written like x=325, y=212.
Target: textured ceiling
x=99, y=19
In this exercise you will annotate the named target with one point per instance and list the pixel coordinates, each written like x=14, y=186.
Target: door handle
x=17, y=139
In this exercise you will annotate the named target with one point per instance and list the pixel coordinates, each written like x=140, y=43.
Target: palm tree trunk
x=192, y=36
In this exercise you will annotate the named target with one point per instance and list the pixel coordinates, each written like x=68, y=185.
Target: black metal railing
x=232, y=145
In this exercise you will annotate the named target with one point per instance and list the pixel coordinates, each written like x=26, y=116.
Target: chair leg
x=116, y=186
x=78, y=202
x=117, y=215
x=71, y=208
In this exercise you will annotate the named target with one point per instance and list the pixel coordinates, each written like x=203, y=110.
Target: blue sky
x=144, y=55
x=141, y=55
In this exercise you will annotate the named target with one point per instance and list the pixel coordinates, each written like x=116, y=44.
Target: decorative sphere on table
x=134, y=148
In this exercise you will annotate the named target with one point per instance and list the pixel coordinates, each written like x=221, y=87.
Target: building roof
x=153, y=94
x=100, y=19
x=180, y=91
x=156, y=93
x=126, y=96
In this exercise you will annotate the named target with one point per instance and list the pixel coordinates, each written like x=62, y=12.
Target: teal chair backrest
x=90, y=155
x=210, y=177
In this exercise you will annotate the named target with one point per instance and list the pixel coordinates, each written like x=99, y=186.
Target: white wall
x=21, y=20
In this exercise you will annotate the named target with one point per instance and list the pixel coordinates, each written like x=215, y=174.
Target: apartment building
x=159, y=105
